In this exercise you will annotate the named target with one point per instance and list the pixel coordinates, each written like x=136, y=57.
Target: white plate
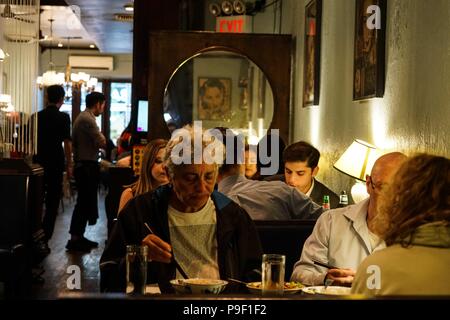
x=329, y=291
x=255, y=287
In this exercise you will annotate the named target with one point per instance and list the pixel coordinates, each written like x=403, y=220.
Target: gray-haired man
x=209, y=235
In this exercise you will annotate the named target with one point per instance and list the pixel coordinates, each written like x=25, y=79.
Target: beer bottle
x=326, y=202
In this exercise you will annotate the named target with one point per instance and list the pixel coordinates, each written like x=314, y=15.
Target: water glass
x=273, y=266
x=136, y=265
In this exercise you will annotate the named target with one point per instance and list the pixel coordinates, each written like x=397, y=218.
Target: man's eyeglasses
x=377, y=186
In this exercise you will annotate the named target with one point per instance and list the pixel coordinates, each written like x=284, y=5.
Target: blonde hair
x=145, y=181
x=419, y=194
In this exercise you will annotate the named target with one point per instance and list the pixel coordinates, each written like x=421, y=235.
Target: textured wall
x=414, y=114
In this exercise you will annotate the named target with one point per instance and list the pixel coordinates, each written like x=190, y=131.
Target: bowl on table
x=198, y=286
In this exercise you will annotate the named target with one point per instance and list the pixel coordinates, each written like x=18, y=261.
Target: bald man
x=343, y=237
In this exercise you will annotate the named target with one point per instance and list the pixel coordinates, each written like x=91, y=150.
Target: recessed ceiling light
x=92, y=46
x=129, y=7
x=60, y=45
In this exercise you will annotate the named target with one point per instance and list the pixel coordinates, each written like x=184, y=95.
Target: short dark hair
x=93, y=98
x=302, y=151
x=211, y=83
x=55, y=93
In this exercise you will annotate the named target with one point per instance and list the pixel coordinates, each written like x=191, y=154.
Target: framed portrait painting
x=369, y=52
x=311, y=69
x=214, y=98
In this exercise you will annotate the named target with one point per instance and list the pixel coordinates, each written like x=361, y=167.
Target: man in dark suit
x=301, y=161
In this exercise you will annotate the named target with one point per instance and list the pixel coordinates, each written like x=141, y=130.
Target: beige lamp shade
x=357, y=160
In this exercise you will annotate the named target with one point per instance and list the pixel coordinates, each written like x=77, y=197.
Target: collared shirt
x=86, y=137
x=340, y=238
x=269, y=200
x=308, y=193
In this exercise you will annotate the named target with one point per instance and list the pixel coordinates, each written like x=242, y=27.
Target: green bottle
x=326, y=202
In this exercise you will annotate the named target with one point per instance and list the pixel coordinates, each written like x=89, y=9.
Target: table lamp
x=357, y=161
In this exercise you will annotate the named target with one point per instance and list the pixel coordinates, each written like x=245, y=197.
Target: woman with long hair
x=414, y=221
x=152, y=174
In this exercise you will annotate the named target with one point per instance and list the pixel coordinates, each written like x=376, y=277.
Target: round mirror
x=220, y=89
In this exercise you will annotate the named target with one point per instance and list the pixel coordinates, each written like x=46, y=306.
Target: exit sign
x=234, y=24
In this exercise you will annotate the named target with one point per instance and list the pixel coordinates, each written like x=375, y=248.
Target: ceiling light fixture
x=50, y=77
x=227, y=8
x=60, y=45
x=92, y=46
x=215, y=9
x=79, y=78
x=239, y=7
x=129, y=7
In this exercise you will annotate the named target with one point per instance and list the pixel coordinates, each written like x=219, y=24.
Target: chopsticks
x=237, y=281
x=180, y=270
x=324, y=265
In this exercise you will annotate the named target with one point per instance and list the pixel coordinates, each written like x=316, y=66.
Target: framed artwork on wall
x=311, y=68
x=214, y=98
x=369, y=52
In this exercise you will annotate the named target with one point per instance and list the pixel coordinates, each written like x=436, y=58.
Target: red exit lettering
x=233, y=26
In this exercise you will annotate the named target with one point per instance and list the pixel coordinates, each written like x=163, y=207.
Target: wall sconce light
x=357, y=162
x=2, y=55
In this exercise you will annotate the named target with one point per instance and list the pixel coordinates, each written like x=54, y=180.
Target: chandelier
x=67, y=78
x=50, y=77
x=79, y=78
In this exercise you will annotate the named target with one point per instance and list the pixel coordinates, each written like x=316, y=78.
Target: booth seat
x=284, y=237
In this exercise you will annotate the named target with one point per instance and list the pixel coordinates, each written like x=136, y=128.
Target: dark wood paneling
x=149, y=16
x=271, y=53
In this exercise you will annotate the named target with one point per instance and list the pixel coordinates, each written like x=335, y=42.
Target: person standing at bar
x=87, y=139
x=53, y=132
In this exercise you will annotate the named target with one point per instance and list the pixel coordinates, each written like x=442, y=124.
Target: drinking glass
x=273, y=266
x=136, y=265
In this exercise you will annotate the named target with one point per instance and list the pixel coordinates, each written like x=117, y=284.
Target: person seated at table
x=269, y=155
x=263, y=200
x=250, y=162
x=414, y=221
x=152, y=173
x=301, y=165
x=190, y=222
x=343, y=237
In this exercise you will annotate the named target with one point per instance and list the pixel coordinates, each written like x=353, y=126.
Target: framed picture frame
x=369, y=50
x=311, y=69
x=214, y=98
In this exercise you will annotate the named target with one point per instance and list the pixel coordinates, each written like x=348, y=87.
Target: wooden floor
x=56, y=264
